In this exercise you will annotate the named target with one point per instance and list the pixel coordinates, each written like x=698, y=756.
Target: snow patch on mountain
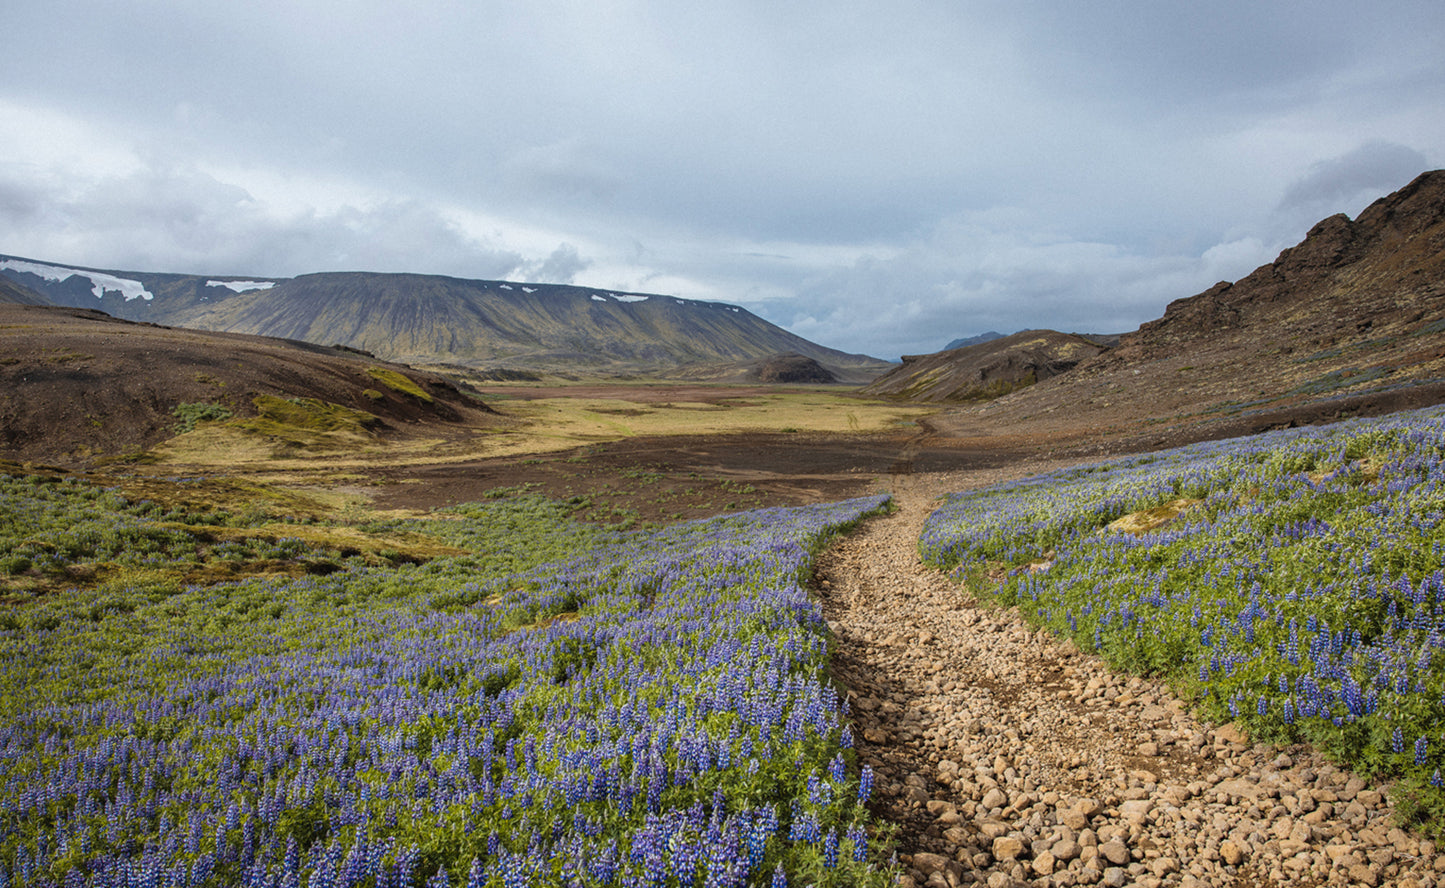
x=629, y=298
x=242, y=286
x=100, y=282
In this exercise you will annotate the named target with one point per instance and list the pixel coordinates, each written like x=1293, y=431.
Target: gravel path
x=1007, y=757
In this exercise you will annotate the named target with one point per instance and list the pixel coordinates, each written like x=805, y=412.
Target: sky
x=880, y=178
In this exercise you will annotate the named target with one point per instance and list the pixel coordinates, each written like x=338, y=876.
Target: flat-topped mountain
x=431, y=319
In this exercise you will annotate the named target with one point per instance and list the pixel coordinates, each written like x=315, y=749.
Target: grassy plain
x=292, y=440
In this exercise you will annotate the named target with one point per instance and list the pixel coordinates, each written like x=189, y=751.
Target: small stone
x=1044, y=864
x=1115, y=852
x=1136, y=810
x=994, y=798
x=929, y=863
x=1231, y=853
x=1007, y=848
x=1115, y=877
x=1363, y=875
x=1000, y=880
x=1065, y=850
x=1150, y=749
x=1088, y=807
x=1234, y=733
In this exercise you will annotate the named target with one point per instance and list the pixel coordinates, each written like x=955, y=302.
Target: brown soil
x=78, y=385
x=677, y=478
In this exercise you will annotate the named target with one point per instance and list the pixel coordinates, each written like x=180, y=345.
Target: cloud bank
x=881, y=181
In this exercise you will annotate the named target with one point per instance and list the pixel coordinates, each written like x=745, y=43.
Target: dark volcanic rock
x=794, y=369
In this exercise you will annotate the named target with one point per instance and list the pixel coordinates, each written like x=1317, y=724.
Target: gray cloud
x=1340, y=183
x=875, y=178
x=560, y=267
x=164, y=218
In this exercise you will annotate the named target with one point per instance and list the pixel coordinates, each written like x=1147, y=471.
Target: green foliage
x=190, y=415
x=398, y=382
x=1301, y=593
x=148, y=650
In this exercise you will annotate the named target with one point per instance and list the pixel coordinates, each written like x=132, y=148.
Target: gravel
x=1007, y=757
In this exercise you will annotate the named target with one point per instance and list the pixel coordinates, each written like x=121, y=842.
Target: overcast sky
x=877, y=177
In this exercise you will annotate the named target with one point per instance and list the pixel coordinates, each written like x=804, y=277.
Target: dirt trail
x=1009, y=758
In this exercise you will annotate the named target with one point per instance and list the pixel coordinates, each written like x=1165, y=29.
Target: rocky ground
x=1009, y=758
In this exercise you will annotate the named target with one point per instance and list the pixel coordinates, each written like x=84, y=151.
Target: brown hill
x=77, y=384
x=793, y=369
x=1350, y=320
x=985, y=370
x=790, y=369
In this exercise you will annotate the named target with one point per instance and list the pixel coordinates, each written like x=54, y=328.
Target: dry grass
x=530, y=427
x=558, y=423
x=1152, y=519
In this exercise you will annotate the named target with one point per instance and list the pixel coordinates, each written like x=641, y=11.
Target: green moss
x=189, y=415
x=398, y=382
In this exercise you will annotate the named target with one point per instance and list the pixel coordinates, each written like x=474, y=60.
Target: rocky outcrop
x=796, y=369
x=1344, y=278
x=1349, y=321
x=986, y=370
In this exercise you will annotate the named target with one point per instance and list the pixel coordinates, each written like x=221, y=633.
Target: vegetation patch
x=1299, y=591
x=398, y=382
x=1335, y=380
x=60, y=533
x=300, y=424
x=556, y=704
x=188, y=416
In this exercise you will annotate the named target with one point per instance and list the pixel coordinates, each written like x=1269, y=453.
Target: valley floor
x=1008, y=758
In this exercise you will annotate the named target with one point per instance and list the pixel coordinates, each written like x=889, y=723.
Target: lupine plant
x=1293, y=580
x=652, y=710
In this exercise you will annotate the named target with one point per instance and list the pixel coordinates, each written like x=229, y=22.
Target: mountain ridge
x=435, y=319
x=1349, y=320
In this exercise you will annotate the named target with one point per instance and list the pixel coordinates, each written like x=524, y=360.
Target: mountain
x=77, y=385
x=986, y=369
x=430, y=319
x=15, y=294
x=1350, y=320
x=973, y=340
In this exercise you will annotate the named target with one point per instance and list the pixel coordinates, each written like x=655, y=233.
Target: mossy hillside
x=398, y=382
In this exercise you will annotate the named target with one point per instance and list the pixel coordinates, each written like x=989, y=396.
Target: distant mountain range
x=430, y=320
x=981, y=338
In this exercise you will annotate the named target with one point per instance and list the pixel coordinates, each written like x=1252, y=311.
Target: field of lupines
x=649, y=710
x=1294, y=580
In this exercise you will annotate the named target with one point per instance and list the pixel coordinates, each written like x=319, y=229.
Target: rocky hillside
x=985, y=370
x=78, y=385
x=1350, y=320
x=15, y=294
x=435, y=320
